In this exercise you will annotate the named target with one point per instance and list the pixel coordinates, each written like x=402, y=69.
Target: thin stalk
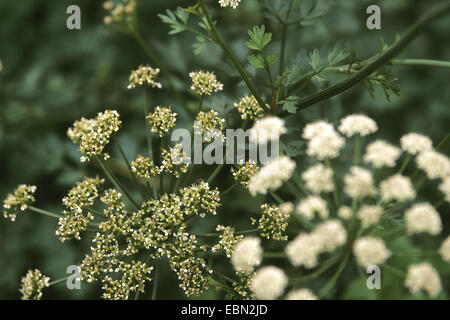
x=405, y=163
x=154, y=60
x=155, y=283
x=421, y=62
x=96, y=212
x=44, y=212
x=229, y=189
x=215, y=173
x=335, y=191
x=149, y=143
x=335, y=278
x=395, y=271
x=294, y=190
x=269, y=75
x=284, y=38
x=219, y=40
x=276, y=197
x=200, y=104
x=246, y=231
x=128, y=164
x=357, y=150
x=317, y=273
x=115, y=181
x=58, y=281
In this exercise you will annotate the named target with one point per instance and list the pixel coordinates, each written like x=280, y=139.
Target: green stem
x=215, y=173
x=58, y=281
x=276, y=197
x=155, y=61
x=284, y=38
x=405, y=163
x=128, y=164
x=200, y=104
x=115, y=181
x=432, y=15
x=219, y=40
x=421, y=62
x=395, y=270
x=149, y=143
x=327, y=265
x=357, y=150
x=335, y=278
x=155, y=283
x=96, y=212
x=335, y=191
x=44, y=212
x=229, y=189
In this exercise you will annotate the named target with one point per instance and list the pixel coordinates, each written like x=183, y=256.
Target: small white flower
x=247, y=255
x=381, y=154
x=423, y=276
x=397, y=188
x=304, y=250
x=359, y=183
x=345, y=212
x=267, y=129
x=370, y=251
x=415, y=143
x=311, y=205
x=324, y=142
x=229, y=3
x=301, y=294
x=422, y=217
x=435, y=164
x=272, y=175
x=268, y=283
x=357, y=124
x=287, y=208
x=369, y=215
x=331, y=234
x=319, y=179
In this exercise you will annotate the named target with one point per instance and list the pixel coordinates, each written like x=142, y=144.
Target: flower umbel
x=33, y=284
x=18, y=201
x=204, y=83
x=144, y=75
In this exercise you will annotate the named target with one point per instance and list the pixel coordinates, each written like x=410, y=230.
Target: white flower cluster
x=267, y=129
x=272, y=175
x=268, y=283
x=323, y=141
x=247, y=254
x=305, y=249
x=229, y=3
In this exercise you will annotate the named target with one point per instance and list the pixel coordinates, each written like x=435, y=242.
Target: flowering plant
x=321, y=213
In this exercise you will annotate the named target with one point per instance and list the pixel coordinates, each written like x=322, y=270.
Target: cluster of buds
x=121, y=12
x=144, y=75
x=272, y=224
x=249, y=108
x=94, y=134
x=77, y=217
x=18, y=201
x=162, y=120
x=244, y=172
x=33, y=284
x=210, y=125
x=204, y=83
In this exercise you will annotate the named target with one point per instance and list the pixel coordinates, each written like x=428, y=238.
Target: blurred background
x=53, y=76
